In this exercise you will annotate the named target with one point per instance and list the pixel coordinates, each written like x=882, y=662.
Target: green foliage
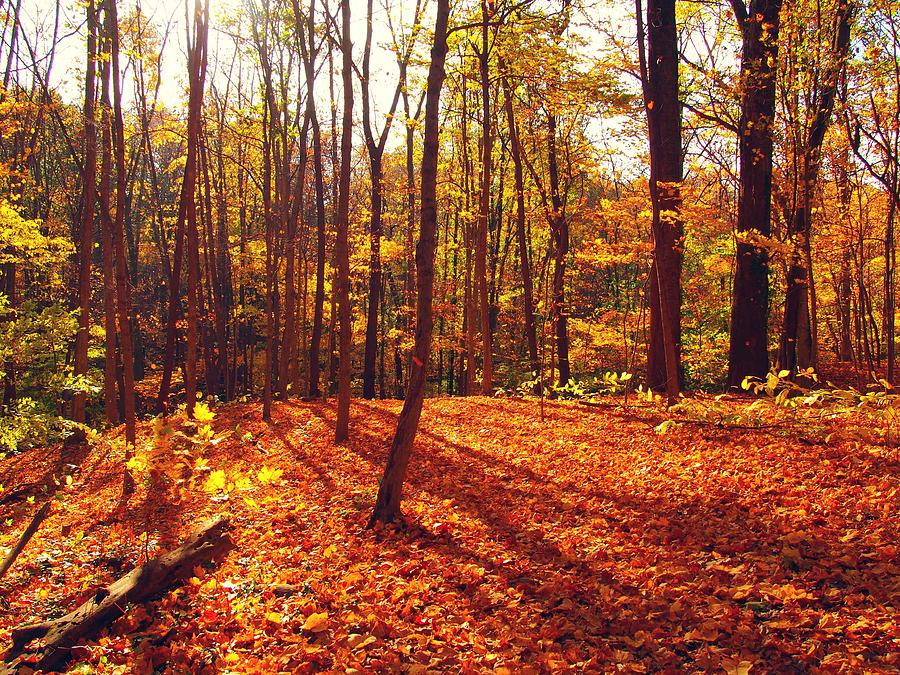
x=34, y=339
x=608, y=383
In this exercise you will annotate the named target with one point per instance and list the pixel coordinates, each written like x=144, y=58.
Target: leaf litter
x=584, y=542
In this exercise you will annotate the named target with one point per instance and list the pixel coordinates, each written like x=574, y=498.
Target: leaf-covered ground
x=586, y=542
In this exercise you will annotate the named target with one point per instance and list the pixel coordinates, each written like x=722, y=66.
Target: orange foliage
x=583, y=543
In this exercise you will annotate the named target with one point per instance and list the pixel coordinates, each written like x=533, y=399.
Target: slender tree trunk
x=559, y=227
x=109, y=266
x=844, y=295
x=796, y=349
x=186, y=216
x=387, y=505
x=342, y=247
x=308, y=51
x=487, y=360
x=123, y=285
x=522, y=235
x=371, y=345
x=375, y=150
x=86, y=224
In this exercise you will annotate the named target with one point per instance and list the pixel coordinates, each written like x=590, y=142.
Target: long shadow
x=72, y=455
x=543, y=564
x=696, y=524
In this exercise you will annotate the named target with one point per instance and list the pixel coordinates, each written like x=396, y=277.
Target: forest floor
x=584, y=542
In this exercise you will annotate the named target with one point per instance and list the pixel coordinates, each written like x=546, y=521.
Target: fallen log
x=209, y=543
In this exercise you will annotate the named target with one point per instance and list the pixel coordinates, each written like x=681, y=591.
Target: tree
x=748, y=353
x=86, y=222
x=659, y=76
x=375, y=148
x=342, y=246
x=387, y=504
x=186, y=227
x=797, y=344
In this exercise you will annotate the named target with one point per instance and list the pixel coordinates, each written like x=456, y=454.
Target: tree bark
x=748, y=353
x=387, y=505
x=86, y=224
x=306, y=36
x=210, y=543
x=186, y=215
x=484, y=205
x=796, y=349
x=123, y=285
x=522, y=235
x=664, y=126
x=342, y=246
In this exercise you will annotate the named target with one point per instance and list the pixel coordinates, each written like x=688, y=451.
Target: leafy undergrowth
x=586, y=542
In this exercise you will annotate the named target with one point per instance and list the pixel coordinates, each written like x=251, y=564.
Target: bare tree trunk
x=487, y=365
x=109, y=265
x=559, y=227
x=387, y=505
x=522, y=235
x=307, y=37
x=748, y=354
x=197, y=60
x=123, y=285
x=796, y=350
x=342, y=247
x=86, y=225
x=664, y=125
x=187, y=219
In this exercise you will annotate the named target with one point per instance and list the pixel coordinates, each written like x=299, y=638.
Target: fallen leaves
x=583, y=543
x=316, y=622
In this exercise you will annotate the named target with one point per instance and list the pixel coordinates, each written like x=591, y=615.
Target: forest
x=424, y=336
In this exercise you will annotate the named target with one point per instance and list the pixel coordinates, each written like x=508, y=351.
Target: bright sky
x=68, y=67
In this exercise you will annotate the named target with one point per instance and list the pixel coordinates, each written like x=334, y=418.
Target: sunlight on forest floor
x=584, y=542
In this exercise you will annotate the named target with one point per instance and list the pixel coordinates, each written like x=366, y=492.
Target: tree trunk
x=796, y=351
x=86, y=224
x=209, y=543
x=106, y=228
x=660, y=84
x=387, y=505
x=748, y=353
x=123, y=285
x=186, y=204
x=559, y=227
x=307, y=40
x=522, y=235
x=484, y=312
x=342, y=246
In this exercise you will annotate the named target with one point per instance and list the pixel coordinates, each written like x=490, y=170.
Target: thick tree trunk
x=748, y=353
x=664, y=125
x=210, y=543
x=387, y=505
